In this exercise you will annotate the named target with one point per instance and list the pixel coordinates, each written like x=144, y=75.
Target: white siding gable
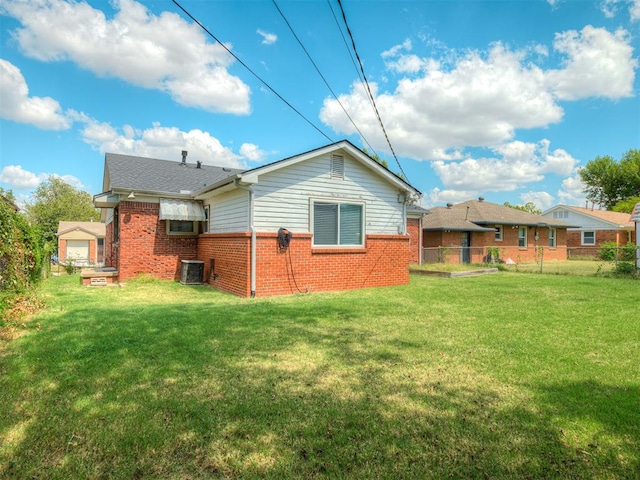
x=283, y=197
x=229, y=212
x=586, y=222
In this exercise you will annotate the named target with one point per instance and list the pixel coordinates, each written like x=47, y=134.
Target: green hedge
x=609, y=250
x=22, y=256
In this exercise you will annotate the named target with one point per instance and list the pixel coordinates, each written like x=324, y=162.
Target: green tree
x=528, y=207
x=8, y=194
x=608, y=182
x=56, y=200
x=377, y=158
x=626, y=205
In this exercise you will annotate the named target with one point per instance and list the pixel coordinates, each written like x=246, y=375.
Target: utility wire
x=353, y=43
x=252, y=72
x=321, y=75
x=344, y=40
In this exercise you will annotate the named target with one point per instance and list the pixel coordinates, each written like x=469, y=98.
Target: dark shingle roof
x=127, y=172
x=477, y=213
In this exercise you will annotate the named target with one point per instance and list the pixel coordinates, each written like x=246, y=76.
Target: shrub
x=626, y=268
x=22, y=256
x=610, y=251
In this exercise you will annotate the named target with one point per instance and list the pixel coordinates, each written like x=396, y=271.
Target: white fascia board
x=216, y=189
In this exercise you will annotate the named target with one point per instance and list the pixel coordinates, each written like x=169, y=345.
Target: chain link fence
x=607, y=258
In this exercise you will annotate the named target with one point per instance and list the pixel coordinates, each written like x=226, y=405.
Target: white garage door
x=78, y=250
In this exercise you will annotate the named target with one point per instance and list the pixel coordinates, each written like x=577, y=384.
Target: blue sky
x=503, y=99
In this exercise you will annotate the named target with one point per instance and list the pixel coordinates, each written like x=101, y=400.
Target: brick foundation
x=383, y=262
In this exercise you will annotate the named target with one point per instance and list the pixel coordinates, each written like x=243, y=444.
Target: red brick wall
x=231, y=256
x=413, y=229
x=508, y=246
x=384, y=262
x=574, y=238
x=110, y=250
x=145, y=246
x=62, y=253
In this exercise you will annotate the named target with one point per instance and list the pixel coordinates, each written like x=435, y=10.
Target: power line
x=375, y=107
x=321, y=75
x=252, y=72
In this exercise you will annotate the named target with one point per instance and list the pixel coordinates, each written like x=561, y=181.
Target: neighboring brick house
x=466, y=231
x=594, y=227
x=351, y=222
x=82, y=243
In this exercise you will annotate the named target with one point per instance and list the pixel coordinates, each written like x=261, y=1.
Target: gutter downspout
x=253, y=235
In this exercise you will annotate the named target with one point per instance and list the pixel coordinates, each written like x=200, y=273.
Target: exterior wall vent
x=192, y=272
x=337, y=167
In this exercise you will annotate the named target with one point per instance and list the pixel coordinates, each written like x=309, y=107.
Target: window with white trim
x=522, y=237
x=182, y=227
x=552, y=237
x=498, y=234
x=588, y=238
x=337, y=223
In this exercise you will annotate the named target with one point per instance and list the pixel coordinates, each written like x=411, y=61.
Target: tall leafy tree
x=528, y=207
x=8, y=194
x=55, y=200
x=627, y=205
x=607, y=181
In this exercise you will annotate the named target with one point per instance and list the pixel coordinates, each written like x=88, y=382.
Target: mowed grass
x=499, y=376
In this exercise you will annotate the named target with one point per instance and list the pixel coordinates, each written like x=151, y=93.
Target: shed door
x=78, y=250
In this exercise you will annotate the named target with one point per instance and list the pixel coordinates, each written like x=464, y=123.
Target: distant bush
x=626, y=268
x=609, y=250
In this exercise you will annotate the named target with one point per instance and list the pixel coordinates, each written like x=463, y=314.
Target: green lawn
x=499, y=376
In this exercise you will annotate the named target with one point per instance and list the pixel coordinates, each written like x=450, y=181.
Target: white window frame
x=552, y=237
x=582, y=240
x=334, y=201
x=498, y=233
x=205, y=224
x=194, y=227
x=522, y=237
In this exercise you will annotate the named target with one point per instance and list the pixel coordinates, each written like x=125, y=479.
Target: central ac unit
x=192, y=272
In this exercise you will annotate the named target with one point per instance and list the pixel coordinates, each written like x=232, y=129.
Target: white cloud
x=251, y=152
x=16, y=104
x=598, y=64
x=634, y=10
x=162, y=142
x=571, y=191
x=518, y=163
x=481, y=101
x=17, y=177
x=541, y=200
x=438, y=196
x=610, y=8
x=267, y=38
x=158, y=52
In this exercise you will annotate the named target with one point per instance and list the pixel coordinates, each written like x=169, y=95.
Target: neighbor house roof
x=139, y=174
x=95, y=228
x=473, y=214
x=616, y=219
